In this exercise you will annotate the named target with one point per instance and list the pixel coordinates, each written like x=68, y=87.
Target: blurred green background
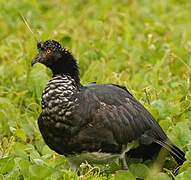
x=142, y=44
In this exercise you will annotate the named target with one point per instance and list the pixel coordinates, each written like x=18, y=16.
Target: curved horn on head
x=24, y=20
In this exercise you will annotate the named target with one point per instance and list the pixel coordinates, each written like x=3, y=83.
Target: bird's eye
x=48, y=51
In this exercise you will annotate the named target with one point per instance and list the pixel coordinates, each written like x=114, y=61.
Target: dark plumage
x=94, y=122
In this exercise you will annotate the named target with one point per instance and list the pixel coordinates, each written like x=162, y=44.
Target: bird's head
x=50, y=53
x=57, y=58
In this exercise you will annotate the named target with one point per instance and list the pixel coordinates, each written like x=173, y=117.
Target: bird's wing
x=114, y=108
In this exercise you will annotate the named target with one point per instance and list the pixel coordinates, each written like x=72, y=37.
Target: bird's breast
x=57, y=99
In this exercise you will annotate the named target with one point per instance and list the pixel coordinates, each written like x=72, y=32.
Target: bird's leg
x=122, y=158
x=123, y=163
x=78, y=173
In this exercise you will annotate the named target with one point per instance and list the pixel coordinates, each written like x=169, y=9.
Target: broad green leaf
x=39, y=171
x=161, y=176
x=123, y=175
x=6, y=166
x=19, y=145
x=139, y=170
x=164, y=124
x=20, y=133
x=20, y=153
x=186, y=175
x=24, y=167
x=46, y=150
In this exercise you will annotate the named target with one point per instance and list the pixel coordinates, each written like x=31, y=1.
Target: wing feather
x=128, y=119
x=120, y=112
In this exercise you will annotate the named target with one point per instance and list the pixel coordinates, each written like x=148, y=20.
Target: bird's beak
x=36, y=59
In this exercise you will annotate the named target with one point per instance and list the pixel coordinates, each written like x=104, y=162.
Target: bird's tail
x=181, y=156
x=176, y=153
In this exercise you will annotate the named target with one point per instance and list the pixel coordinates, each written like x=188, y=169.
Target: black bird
x=94, y=122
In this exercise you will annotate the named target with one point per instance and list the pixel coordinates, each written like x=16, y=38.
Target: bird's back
x=118, y=110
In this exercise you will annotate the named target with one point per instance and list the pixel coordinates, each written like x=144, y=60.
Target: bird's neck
x=67, y=67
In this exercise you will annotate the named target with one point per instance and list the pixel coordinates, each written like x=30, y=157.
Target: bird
x=95, y=122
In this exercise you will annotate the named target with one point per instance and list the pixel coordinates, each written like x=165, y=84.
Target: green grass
x=144, y=45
